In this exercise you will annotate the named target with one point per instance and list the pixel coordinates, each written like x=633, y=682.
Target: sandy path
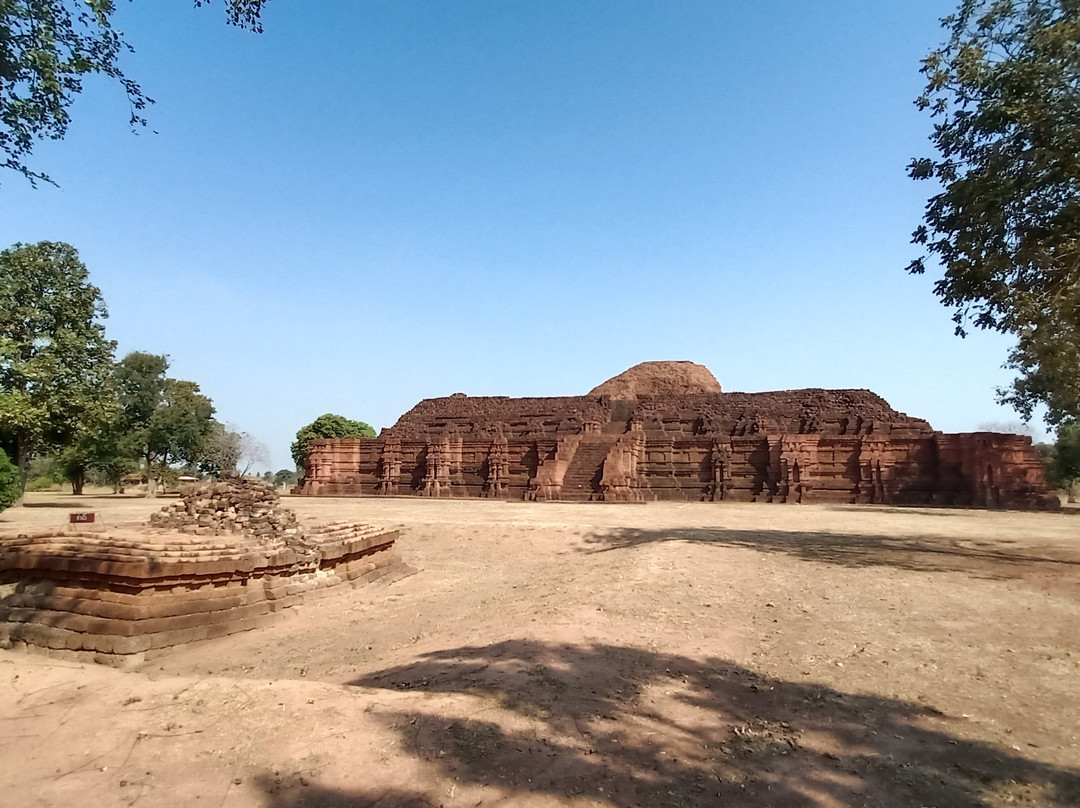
x=663, y=654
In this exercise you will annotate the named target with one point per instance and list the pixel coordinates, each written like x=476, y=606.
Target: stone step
x=582, y=479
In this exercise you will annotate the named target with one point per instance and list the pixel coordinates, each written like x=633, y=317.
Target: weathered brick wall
x=988, y=469
x=226, y=558
x=811, y=445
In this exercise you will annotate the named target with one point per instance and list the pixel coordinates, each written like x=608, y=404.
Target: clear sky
x=373, y=203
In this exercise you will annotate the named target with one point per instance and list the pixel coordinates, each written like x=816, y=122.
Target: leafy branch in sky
x=1004, y=91
x=47, y=48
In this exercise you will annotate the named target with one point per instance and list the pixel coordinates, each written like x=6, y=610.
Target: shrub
x=10, y=482
x=41, y=483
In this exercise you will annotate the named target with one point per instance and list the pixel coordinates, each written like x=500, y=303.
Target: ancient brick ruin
x=666, y=431
x=225, y=558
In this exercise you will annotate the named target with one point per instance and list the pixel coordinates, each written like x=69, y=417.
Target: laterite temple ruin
x=666, y=431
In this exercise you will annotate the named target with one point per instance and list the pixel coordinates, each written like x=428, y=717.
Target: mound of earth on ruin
x=659, y=379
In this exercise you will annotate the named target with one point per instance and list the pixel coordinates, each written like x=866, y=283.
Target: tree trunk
x=22, y=457
x=22, y=450
x=77, y=478
x=151, y=481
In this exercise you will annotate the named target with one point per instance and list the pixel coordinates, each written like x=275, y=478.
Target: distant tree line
x=70, y=411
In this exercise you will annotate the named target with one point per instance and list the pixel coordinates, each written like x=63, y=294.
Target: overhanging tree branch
x=47, y=48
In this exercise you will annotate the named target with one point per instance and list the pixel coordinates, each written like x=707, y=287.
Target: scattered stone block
x=226, y=557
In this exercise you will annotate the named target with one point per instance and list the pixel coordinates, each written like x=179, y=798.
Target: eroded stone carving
x=674, y=435
x=620, y=481
x=548, y=482
x=390, y=467
x=498, y=469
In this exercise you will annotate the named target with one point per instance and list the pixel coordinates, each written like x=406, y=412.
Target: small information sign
x=82, y=518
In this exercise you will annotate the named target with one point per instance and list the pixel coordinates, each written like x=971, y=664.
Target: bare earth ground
x=655, y=655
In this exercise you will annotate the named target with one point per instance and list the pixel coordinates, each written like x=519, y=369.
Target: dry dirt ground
x=581, y=655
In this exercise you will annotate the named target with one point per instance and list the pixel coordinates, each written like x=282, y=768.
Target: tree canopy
x=54, y=358
x=221, y=452
x=1004, y=91
x=167, y=421
x=285, y=477
x=327, y=426
x=227, y=453
x=47, y=48
x=64, y=400
x=1066, y=457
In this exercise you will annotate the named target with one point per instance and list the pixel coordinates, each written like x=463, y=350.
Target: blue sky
x=377, y=202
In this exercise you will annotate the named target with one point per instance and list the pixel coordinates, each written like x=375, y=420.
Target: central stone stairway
x=582, y=480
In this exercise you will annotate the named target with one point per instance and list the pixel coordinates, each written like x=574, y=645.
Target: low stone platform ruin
x=225, y=558
x=666, y=431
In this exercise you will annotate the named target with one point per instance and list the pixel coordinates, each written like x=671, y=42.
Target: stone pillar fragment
x=498, y=469
x=390, y=467
x=720, y=460
x=620, y=481
x=872, y=487
x=798, y=466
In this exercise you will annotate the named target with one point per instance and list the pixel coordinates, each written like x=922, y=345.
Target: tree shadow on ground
x=631, y=727
x=941, y=512
x=51, y=504
x=984, y=559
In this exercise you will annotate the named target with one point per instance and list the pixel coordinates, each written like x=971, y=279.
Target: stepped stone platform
x=225, y=558
x=666, y=431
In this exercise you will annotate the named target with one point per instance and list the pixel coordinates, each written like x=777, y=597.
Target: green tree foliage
x=98, y=443
x=1064, y=467
x=10, y=482
x=54, y=358
x=44, y=474
x=286, y=477
x=327, y=426
x=74, y=461
x=47, y=48
x=101, y=446
x=1004, y=91
x=112, y=459
x=167, y=421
